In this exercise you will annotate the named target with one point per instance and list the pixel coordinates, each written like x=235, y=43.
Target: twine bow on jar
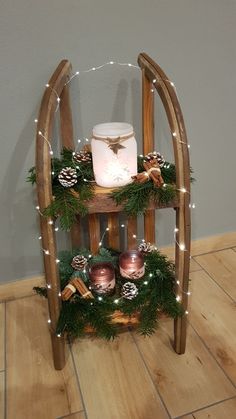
x=114, y=143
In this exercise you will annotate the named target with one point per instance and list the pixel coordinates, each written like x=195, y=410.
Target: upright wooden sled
x=153, y=77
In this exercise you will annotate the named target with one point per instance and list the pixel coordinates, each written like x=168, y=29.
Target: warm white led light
x=176, y=230
x=182, y=246
x=116, y=301
x=174, y=134
x=49, y=321
x=56, y=228
x=50, y=222
x=178, y=298
x=57, y=260
x=46, y=252
x=154, y=80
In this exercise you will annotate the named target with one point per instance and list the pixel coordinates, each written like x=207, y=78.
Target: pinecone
x=155, y=155
x=79, y=262
x=129, y=291
x=82, y=156
x=67, y=177
x=146, y=247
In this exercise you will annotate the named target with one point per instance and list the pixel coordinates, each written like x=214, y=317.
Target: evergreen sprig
x=155, y=295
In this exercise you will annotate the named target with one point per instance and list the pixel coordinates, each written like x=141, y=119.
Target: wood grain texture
x=226, y=409
x=103, y=203
x=78, y=415
x=114, y=231
x=185, y=382
x=212, y=315
x=2, y=336
x=222, y=267
x=148, y=146
x=20, y=288
x=94, y=232
x=132, y=227
x=2, y=395
x=114, y=382
x=35, y=389
x=49, y=105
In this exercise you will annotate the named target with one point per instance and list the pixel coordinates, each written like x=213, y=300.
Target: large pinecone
x=82, y=156
x=79, y=262
x=155, y=155
x=67, y=177
x=129, y=290
x=146, y=247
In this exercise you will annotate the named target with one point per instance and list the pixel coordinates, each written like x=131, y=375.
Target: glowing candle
x=114, y=153
x=132, y=264
x=102, y=278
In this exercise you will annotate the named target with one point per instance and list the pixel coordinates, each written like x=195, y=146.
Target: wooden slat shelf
x=103, y=203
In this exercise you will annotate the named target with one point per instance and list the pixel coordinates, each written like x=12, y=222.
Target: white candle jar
x=114, y=153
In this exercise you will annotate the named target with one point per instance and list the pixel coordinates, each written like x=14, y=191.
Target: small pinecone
x=146, y=247
x=79, y=262
x=82, y=156
x=67, y=177
x=129, y=291
x=155, y=155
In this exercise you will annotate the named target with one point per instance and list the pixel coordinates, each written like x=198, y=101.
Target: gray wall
x=193, y=41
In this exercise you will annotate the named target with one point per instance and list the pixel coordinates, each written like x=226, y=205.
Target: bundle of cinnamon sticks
x=152, y=171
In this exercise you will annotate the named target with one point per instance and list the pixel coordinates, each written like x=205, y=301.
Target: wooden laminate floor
x=132, y=377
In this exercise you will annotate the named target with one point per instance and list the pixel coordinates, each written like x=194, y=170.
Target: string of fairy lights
x=80, y=141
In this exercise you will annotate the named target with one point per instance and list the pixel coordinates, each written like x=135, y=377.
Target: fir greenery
x=155, y=295
x=68, y=202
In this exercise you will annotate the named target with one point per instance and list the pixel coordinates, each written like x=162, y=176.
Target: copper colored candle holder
x=132, y=264
x=102, y=278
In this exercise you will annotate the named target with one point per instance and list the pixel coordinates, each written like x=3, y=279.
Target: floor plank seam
x=70, y=414
x=5, y=361
x=204, y=407
x=149, y=374
x=213, y=356
x=212, y=278
x=9, y=300
x=193, y=258
x=78, y=381
x=213, y=251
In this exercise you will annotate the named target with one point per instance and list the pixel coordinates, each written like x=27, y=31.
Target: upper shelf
x=102, y=202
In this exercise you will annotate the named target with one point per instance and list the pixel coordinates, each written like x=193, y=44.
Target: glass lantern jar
x=114, y=154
